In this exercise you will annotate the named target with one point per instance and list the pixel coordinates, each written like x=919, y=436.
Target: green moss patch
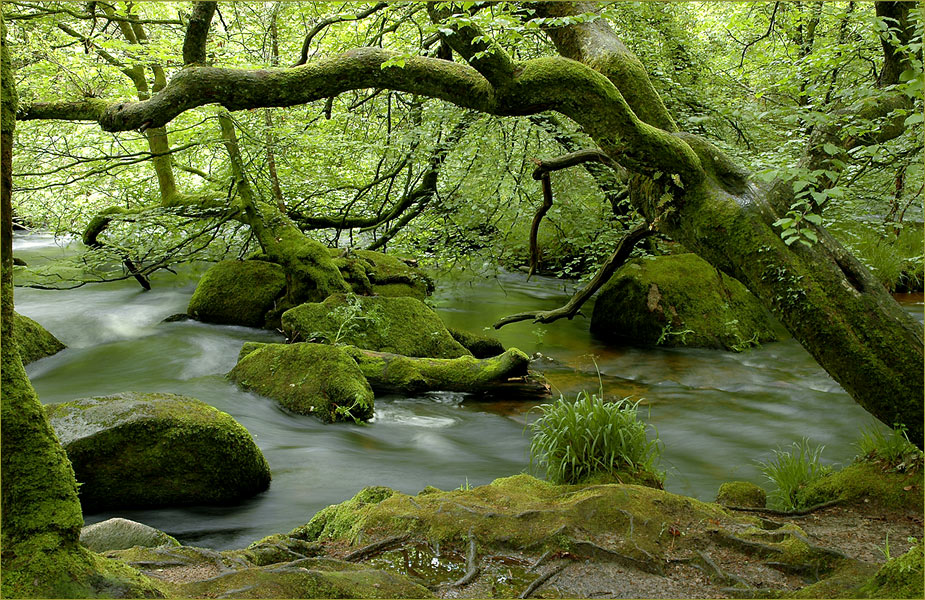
x=238, y=292
x=309, y=379
x=679, y=300
x=479, y=344
x=136, y=450
x=397, y=325
x=741, y=493
x=370, y=272
x=868, y=485
x=900, y=577
x=32, y=340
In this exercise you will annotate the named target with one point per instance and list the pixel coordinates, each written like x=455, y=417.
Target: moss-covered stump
x=235, y=292
x=404, y=326
x=370, y=272
x=741, y=493
x=393, y=373
x=480, y=345
x=32, y=340
x=870, y=485
x=679, y=300
x=119, y=534
x=309, y=379
x=136, y=450
x=189, y=572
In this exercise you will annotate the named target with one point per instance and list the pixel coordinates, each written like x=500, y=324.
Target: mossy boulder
x=236, y=292
x=33, y=340
x=370, y=272
x=119, y=534
x=679, y=300
x=309, y=379
x=404, y=325
x=136, y=450
x=867, y=484
x=479, y=344
x=741, y=493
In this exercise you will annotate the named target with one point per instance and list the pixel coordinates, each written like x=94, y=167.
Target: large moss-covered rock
x=310, y=379
x=33, y=340
x=370, y=272
x=119, y=534
x=679, y=300
x=135, y=450
x=397, y=325
x=236, y=292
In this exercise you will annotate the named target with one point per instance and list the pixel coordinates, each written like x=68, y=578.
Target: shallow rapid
x=716, y=413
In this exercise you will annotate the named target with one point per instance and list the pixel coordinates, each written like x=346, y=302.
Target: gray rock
x=120, y=534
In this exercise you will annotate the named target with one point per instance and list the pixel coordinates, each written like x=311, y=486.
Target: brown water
x=716, y=412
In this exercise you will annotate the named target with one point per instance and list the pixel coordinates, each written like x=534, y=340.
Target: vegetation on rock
x=136, y=450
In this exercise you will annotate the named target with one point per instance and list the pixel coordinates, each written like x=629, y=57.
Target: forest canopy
x=779, y=141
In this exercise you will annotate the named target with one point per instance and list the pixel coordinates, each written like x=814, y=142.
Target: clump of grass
x=896, y=260
x=590, y=437
x=791, y=470
x=892, y=448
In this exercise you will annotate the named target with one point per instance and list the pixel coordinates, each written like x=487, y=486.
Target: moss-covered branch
x=394, y=373
x=197, y=31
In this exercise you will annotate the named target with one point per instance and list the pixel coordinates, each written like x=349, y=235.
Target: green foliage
x=892, y=448
x=790, y=471
x=577, y=440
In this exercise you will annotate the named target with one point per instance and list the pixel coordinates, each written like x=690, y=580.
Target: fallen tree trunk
x=397, y=374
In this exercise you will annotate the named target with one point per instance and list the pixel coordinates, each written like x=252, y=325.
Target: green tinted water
x=716, y=412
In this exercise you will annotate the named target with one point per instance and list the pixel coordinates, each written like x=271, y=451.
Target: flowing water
x=717, y=413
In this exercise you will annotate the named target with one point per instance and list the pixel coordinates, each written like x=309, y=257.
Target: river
x=716, y=413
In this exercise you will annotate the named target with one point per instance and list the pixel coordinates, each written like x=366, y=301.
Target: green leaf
x=830, y=149
x=813, y=218
x=913, y=119
x=810, y=234
x=800, y=184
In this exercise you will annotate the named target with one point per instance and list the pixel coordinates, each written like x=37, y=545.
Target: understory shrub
x=791, y=470
x=588, y=437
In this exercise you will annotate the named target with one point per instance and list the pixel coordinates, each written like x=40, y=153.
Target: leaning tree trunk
x=824, y=296
x=41, y=515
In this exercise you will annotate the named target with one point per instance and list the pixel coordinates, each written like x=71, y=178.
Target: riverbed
x=716, y=413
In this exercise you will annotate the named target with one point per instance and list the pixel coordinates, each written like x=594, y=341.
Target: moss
x=632, y=523
x=309, y=379
x=137, y=450
x=679, y=300
x=393, y=373
x=275, y=549
x=238, y=293
x=307, y=578
x=867, y=485
x=118, y=533
x=480, y=345
x=32, y=340
x=44, y=568
x=842, y=583
x=900, y=577
x=741, y=493
x=397, y=325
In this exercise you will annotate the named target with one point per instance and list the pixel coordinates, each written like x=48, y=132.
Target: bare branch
x=571, y=308
x=328, y=21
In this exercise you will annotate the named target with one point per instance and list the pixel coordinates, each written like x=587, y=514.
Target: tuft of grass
x=577, y=440
x=893, y=259
x=892, y=448
x=791, y=470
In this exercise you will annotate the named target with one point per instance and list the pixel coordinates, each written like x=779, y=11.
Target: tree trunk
x=827, y=299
